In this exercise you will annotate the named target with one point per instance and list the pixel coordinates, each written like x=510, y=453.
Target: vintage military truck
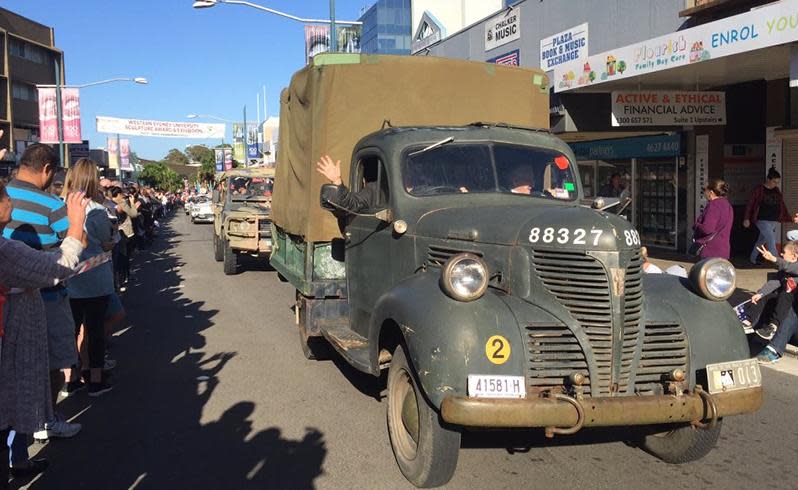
x=495, y=297
x=242, y=210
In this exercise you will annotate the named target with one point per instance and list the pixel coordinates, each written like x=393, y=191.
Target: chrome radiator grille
x=580, y=283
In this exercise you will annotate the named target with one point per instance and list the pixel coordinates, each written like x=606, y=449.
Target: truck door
x=369, y=241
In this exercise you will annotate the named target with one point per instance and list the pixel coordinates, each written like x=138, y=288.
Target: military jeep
x=242, y=210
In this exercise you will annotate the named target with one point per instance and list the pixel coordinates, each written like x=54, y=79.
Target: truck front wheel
x=425, y=451
x=230, y=265
x=682, y=445
x=218, y=253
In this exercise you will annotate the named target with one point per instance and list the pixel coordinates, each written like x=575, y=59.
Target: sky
x=203, y=61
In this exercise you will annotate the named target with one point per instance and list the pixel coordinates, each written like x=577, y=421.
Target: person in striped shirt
x=39, y=219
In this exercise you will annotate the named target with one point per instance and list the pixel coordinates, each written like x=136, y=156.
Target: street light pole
x=201, y=4
x=333, y=34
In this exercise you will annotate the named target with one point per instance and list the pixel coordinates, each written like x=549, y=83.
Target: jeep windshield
x=251, y=188
x=495, y=167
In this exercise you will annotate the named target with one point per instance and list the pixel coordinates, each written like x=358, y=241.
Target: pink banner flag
x=113, y=153
x=48, y=116
x=124, y=155
x=70, y=115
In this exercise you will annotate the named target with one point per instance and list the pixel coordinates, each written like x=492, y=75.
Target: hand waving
x=766, y=253
x=331, y=170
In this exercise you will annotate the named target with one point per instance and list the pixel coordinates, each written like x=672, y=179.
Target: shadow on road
x=148, y=433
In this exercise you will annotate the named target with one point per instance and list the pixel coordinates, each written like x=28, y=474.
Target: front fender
x=713, y=330
x=446, y=339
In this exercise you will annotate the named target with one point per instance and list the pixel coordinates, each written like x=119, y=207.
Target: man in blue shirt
x=39, y=219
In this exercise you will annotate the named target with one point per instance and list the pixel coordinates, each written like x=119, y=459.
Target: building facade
x=434, y=20
x=29, y=57
x=667, y=94
x=386, y=28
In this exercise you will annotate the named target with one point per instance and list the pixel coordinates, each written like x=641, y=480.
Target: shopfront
x=647, y=169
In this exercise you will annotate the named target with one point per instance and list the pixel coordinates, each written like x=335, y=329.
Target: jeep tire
x=218, y=253
x=230, y=259
x=425, y=451
x=683, y=444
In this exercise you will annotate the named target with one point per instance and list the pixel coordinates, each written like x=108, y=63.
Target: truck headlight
x=714, y=278
x=464, y=277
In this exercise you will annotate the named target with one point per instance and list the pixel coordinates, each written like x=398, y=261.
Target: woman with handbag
x=712, y=229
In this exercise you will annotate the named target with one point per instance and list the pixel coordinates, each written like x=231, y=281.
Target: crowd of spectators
x=55, y=324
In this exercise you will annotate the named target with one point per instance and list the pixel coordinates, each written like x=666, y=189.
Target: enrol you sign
x=503, y=28
x=564, y=47
x=660, y=108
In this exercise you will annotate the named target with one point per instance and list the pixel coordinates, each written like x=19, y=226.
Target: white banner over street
x=163, y=129
x=660, y=108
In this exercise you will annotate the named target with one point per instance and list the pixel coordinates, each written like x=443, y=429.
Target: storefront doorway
x=647, y=172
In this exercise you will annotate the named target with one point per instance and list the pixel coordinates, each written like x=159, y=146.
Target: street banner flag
x=252, y=141
x=113, y=153
x=317, y=40
x=228, y=159
x=239, y=145
x=70, y=115
x=48, y=116
x=124, y=155
x=218, y=155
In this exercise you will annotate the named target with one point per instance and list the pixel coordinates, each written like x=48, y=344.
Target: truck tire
x=218, y=253
x=425, y=451
x=230, y=259
x=683, y=444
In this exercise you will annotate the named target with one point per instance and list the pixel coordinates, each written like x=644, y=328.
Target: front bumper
x=597, y=412
x=258, y=246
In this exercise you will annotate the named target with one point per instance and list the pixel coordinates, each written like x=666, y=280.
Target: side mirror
x=326, y=195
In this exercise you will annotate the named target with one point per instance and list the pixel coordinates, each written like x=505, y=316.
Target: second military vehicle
x=242, y=215
x=473, y=272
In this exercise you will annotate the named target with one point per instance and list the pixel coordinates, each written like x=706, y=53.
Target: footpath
x=749, y=279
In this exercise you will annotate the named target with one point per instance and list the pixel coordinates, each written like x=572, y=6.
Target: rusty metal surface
x=598, y=412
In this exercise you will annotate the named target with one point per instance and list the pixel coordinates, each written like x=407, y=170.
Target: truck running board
x=351, y=345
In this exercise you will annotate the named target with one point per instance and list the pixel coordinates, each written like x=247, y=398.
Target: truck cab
x=497, y=299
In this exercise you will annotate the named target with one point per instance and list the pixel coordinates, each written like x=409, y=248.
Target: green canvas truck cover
x=340, y=98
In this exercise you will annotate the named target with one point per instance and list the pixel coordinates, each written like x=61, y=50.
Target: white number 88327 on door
x=562, y=236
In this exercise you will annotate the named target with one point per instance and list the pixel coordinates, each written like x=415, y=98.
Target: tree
x=177, y=157
x=200, y=154
x=160, y=176
x=207, y=171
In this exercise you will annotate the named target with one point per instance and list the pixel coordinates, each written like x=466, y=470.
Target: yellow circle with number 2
x=497, y=348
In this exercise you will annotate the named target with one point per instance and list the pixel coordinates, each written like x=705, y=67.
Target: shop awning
x=755, y=45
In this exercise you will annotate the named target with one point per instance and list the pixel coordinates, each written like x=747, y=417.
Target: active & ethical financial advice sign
x=658, y=108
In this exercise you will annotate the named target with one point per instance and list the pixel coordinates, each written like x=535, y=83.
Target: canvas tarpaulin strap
x=332, y=104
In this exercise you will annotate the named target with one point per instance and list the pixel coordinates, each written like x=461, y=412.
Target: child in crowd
x=648, y=267
x=781, y=291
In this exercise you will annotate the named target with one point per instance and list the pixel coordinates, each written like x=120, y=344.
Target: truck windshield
x=503, y=168
x=250, y=188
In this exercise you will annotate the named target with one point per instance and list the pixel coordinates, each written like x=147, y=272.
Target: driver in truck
x=358, y=202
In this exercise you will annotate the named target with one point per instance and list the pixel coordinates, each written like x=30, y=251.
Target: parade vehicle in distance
x=494, y=295
x=242, y=215
x=202, y=210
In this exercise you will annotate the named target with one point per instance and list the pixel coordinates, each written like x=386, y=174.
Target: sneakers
x=99, y=389
x=767, y=332
x=768, y=356
x=72, y=387
x=58, y=428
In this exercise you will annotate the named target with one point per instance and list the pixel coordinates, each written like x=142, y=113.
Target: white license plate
x=735, y=375
x=496, y=386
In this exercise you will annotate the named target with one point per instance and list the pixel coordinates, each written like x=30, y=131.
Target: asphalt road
x=212, y=391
